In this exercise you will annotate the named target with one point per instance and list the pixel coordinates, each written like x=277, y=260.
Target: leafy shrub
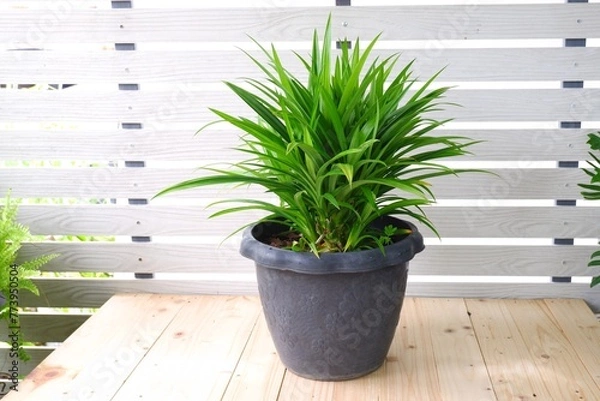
x=15, y=277
x=591, y=191
x=352, y=144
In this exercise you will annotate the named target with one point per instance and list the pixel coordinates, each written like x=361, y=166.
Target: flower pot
x=331, y=317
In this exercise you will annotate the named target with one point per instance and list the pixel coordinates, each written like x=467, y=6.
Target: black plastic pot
x=332, y=317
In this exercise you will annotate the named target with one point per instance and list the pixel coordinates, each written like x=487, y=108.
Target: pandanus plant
x=351, y=144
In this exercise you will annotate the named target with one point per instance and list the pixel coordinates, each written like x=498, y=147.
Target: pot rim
x=331, y=263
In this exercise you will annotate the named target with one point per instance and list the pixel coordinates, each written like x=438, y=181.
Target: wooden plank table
x=170, y=347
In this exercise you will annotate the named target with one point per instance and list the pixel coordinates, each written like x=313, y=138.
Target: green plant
x=15, y=277
x=352, y=144
x=591, y=191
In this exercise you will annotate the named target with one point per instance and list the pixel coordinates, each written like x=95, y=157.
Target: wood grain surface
x=92, y=293
x=514, y=145
x=108, y=182
x=164, y=66
x=444, y=349
x=484, y=221
x=510, y=21
x=184, y=104
x=212, y=258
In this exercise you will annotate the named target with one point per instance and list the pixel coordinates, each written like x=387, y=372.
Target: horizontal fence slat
x=37, y=354
x=43, y=327
x=515, y=222
x=157, y=109
x=177, y=145
x=507, y=291
x=43, y=4
x=490, y=260
x=39, y=28
x=94, y=292
x=464, y=65
x=124, y=220
x=149, y=257
x=486, y=221
x=509, y=183
x=445, y=260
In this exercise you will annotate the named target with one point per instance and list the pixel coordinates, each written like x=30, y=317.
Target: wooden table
x=171, y=348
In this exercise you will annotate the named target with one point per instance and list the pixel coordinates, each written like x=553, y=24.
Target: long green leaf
x=352, y=142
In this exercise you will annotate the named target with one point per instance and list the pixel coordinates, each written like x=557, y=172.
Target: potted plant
x=591, y=191
x=15, y=277
x=343, y=152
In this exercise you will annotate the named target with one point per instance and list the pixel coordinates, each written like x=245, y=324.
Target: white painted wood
x=81, y=144
x=209, y=66
x=50, y=6
x=485, y=221
x=494, y=259
x=94, y=292
x=159, y=108
x=507, y=290
x=459, y=22
x=510, y=183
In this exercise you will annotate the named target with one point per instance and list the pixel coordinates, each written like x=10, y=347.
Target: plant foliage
x=15, y=277
x=351, y=144
x=592, y=190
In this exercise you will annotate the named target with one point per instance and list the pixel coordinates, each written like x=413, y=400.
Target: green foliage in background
x=591, y=191
x=15, y=277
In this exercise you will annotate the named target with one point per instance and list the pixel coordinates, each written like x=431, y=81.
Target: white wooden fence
x=134, y=83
